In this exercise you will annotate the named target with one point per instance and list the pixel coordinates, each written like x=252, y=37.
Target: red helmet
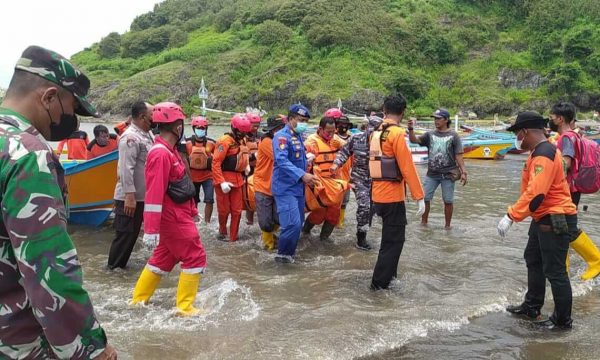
x=199, y=121
x=334, y=113
x=241, y=123
x=167, y=112
x=254, y=118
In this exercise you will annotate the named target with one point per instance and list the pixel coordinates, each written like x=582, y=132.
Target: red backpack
x=586, y=175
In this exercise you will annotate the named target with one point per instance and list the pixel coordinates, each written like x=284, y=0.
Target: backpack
x=587, y=177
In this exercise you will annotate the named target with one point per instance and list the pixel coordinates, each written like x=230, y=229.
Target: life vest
x=325, y=158
x=248, y=194
x=382, y=167
x=121, y=127
x=200, y=158
x=239, y=160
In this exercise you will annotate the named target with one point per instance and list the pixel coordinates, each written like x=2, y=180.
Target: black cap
x=274, y=122
x=528, y=120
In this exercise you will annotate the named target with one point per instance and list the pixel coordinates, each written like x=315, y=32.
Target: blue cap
x=441, y=113
x=300, y=110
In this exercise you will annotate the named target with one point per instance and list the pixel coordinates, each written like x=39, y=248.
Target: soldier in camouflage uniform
x=358, y=145
x=44, y=310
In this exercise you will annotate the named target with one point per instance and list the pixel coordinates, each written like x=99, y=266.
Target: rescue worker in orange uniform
x=76, y=143
x=252, y=141
x=265, y=203
x=230, y=164
x=546, y=198
x=200, y=153
x=103, y=142
x=324, y=148
x=391, y=167
x=170, y=215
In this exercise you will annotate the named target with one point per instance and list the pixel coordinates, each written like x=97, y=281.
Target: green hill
x=486, y=56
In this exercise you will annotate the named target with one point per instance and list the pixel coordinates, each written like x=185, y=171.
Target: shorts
x=431, y=185
x=208, y=189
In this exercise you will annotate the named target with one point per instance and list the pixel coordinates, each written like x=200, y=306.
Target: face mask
x=342, y=130
x=67, y=126
x=301, y=127
x=553, y=126
x=200, y=133
x=518, y=143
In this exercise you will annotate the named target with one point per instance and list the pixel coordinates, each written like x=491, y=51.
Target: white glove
x=150, y=240
x=226, y=187
x=421, y=205
x=310, y=157
x=504, y=225
x=246, y=171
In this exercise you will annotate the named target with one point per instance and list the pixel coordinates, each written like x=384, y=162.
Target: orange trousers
x=330, y=214
x=230, y=203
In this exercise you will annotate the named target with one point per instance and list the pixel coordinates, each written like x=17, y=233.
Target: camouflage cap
x=57, y=69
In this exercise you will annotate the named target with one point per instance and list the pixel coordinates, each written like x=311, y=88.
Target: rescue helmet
x=199, y=121
x=167, y=112
x=241, y=123
x=334, y=113
x=254, y=118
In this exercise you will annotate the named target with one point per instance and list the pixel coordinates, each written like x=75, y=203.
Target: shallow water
x=447, y=303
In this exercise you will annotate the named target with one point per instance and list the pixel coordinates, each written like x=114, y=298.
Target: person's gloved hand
x=421, y=205
x=504, y=225
x=247, y=170
x=150, y=241
x=226, y=187
x=310, y=157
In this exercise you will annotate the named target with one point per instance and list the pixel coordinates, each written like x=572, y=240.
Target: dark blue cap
x=441, y=113
x=300, y=110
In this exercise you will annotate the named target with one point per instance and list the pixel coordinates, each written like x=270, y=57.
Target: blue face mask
x=200, y=133
x=301, y=127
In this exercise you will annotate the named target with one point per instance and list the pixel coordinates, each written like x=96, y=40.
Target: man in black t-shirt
x=445, y=163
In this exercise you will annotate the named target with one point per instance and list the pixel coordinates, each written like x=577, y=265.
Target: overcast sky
x=65, y=26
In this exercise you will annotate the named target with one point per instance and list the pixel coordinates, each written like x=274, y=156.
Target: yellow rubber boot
x=186, y=294
x=145, y=286
x=341, y=220
x=584, y=246
x=268, y=240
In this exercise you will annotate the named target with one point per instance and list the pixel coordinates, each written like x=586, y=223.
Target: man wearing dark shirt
x=445, y=164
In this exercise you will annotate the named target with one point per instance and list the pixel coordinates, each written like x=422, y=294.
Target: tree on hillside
x=137, y=43
x=110, y=46
x=271, y=32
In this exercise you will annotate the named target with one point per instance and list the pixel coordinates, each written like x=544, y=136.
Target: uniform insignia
x=220, y=149
x=538, y=169
x=282, y=142
x=297, y=155
x=130, y=141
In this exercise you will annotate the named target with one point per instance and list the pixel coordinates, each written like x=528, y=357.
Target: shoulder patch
x=538, y=169
x=220, y=148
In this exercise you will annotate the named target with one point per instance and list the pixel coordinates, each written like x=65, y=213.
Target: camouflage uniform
x=44, y=310
x=358, y=145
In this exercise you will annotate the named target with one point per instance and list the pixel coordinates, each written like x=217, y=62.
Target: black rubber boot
x=326, y=231
x=361, y=242
x=307, y=227
x=524, y=310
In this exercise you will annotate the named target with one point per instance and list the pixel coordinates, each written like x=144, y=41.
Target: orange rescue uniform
x=203, y=149
x=393, y=191
x=263, y=172
x=544, y=188
x=94, y=150
x=76, y=146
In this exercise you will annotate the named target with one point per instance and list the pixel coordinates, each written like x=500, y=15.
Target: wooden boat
x=492, y=149
x=91, y=186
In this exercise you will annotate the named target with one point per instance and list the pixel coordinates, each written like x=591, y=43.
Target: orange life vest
x=238, y=161
x=381, y=167
x=328, y=192
x=200, y=156
x=325, y=158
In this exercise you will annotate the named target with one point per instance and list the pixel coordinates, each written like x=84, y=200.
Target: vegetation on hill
x=486, y=56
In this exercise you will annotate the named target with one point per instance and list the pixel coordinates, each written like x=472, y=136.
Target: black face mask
x=67, y=126
x=553, y=126
x=342, y=130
